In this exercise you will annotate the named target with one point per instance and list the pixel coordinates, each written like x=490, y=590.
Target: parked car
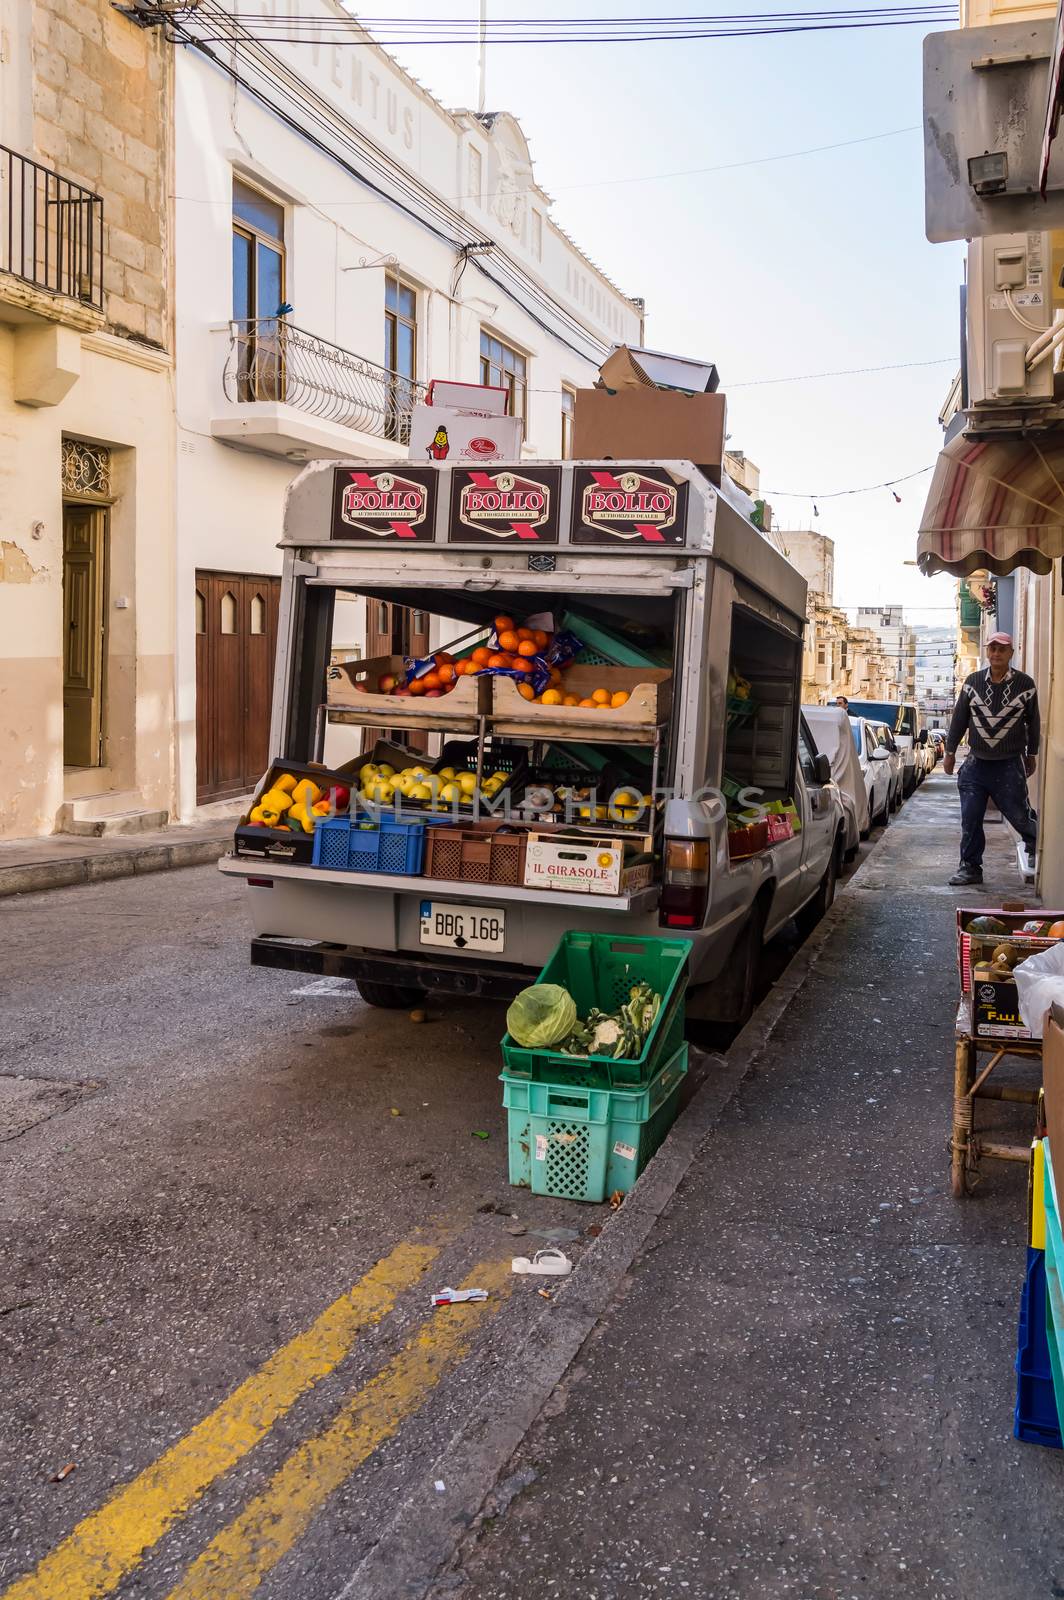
x=831, y=729
x=874, y=759
x=903, y=720
x=886, y=737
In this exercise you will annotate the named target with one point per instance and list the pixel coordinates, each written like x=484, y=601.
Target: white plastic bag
x=1040, y=984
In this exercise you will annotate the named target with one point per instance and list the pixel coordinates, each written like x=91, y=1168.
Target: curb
x=403, y=1565
x=36, y=876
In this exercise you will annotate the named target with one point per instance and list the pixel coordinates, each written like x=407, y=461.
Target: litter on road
x=455, y=1297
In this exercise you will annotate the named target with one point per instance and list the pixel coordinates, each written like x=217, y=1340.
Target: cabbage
x=541, y=1016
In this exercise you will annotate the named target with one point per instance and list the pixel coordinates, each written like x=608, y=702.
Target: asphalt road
x=202, y=1168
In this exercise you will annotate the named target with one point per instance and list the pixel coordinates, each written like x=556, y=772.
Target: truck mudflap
x=435, y=974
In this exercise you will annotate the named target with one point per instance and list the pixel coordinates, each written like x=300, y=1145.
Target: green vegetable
x=986, y=925
x=541, y=1016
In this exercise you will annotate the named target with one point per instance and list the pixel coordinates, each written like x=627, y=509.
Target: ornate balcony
x=276, y=374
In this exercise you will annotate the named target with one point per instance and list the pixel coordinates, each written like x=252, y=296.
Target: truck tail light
x=685, y=891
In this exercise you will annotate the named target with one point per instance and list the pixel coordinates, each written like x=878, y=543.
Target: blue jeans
x=1004, y=782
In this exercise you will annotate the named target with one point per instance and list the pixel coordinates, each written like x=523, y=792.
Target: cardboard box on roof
x=630, y=367
x=648, y=424
x=438, y=433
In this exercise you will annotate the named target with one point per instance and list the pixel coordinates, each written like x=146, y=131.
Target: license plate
x=462, y=927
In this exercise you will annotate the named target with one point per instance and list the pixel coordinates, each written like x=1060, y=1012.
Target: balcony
x=296, y=395
x=51, y=245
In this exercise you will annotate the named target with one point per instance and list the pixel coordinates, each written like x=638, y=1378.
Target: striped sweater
x=1000, y=719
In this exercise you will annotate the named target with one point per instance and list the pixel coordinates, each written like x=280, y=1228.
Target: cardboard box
x=479, y=398
x=438, y=433
x=585, y=865
x=630, y=367
x=1012, y=917
x=641, y=424
x=996, y=1010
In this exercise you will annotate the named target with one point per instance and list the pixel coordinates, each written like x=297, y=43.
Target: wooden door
x=236, y=640
x=84, y=624
x=395, y=630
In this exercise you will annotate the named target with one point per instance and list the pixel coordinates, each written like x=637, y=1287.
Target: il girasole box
x=598, y=865
x=439, y=433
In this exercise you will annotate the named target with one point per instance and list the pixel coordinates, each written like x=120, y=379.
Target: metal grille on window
x=86, y=468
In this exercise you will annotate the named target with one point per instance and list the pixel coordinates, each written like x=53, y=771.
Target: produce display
x=381, y=783
x=296, y=805
x=535, y=658
x=544, y=1016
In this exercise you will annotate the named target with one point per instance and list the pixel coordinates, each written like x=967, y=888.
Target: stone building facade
x=86, y=419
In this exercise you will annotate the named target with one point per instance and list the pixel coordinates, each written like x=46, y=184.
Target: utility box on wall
x=1009, y=305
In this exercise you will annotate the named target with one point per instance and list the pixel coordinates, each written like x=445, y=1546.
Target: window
x=258, y=292
x=476, y=176
x=821, y=655
x=504, y=368
x=258, y=614
x=568, y=415
x=228, y=612
x=806, y=755
x=400, y=355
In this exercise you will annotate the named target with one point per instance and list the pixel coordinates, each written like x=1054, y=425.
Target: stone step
x=114, y=822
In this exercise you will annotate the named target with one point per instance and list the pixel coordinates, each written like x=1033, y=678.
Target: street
x=229, y=1193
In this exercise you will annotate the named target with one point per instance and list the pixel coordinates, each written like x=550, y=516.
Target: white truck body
x=712, y=583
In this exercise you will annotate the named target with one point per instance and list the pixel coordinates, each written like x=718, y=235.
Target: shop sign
x=491, y=507
x=627, y=504
x=384, y=506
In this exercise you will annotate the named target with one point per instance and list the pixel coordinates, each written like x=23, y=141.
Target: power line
x=847, y=372
x=639, y=177
x=838, y=494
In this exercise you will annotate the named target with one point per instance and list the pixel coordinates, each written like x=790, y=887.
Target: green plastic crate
x=1054, y=1287
x=604, y=648
x=579, y=1143
x=599, y=969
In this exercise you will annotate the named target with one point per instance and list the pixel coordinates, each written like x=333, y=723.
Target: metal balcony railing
x=51, y=230
x=269, y=359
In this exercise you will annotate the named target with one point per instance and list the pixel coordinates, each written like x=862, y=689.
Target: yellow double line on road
x=92, y=1561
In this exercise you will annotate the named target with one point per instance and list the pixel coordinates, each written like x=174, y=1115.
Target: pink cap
x=1000, y=638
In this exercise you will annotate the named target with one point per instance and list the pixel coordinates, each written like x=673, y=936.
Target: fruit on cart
x=286, y=783
x=451, y=793
x=379, y=789
x=550, y=697
x=1056, y=930
x=985, y=924
x=619, y=698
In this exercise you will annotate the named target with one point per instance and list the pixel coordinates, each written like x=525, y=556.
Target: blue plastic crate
x=1035, y=1420
x=365, y=844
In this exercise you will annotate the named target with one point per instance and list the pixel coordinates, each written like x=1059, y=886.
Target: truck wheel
x=817, y=907
x=744, y=965
x=389, y=996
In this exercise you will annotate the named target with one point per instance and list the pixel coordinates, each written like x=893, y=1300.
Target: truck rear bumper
x=495, y=981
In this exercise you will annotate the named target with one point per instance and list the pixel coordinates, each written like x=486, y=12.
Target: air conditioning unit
x=1010, y=305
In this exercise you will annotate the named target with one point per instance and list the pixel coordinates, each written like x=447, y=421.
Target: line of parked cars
x=879, y=755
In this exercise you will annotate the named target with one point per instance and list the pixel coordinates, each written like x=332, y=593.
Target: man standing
x=841, y=700
x=998, y=709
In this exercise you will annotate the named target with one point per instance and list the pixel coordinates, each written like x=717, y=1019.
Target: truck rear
x=594, y=774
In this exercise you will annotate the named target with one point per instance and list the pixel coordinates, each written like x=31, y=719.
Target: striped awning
x=995, y=503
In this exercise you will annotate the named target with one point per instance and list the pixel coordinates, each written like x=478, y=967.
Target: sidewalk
x=805, y=1386
x=29, y=865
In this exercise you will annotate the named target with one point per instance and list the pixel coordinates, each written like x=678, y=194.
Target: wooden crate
x=470, y=697
x=649, y=691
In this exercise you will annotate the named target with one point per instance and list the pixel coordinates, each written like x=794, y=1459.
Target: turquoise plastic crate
x=1054, y=1287
x=604, y=648
x=578, y=1143
x=599, y=969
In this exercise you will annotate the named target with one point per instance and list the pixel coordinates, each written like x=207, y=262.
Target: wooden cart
x=971, y=1082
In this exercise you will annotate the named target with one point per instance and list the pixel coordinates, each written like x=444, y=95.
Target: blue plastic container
x=1036, y=1419
x=369, y=844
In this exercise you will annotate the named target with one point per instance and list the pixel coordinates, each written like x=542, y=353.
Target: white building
x=936, y=657
x=898, y=641
x=410, y=243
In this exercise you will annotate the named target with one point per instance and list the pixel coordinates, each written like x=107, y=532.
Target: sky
x=772, y=270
